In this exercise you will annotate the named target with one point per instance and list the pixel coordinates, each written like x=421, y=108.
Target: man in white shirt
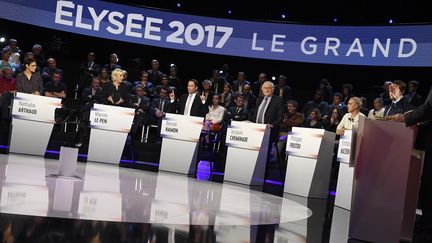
x=192, y=104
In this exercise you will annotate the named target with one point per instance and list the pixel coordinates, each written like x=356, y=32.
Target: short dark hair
x=29, y=60
x=292, y=102
x=348, y=86
x=414, y=83
x=282, y=77
x=338, y=94
x=401, y=84
x=56, y=72
x=194, y=81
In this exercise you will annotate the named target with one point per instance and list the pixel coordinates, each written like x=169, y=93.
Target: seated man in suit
x=269, y=110
x=239, y=112
x=413, y=96
x=248, y=98
x=283, y=90
x=399, y=104
x=142, y=106
x=192, y=104
x=241, y=81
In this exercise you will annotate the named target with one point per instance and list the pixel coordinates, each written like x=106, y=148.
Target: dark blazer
x=251, y=101
x=273, y=115
x=110, y=69
x=400, y=107
x=422, y=115
x=416, y=100
x=122, y=91
x=287, y=93
x=241, y=115
x=197, y=109
x=236, y=84
x=86, y=96
x=220, y=85
x=144, y=104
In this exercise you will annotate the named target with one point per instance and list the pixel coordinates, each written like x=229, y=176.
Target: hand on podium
x=396, y=117
x=269, y=126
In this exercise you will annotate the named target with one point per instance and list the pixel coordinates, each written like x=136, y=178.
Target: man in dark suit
x=142, y=107
x=283, y=90
x=239, y=112
x=112, y=65
x=256, y=86
x=412, y=96
x=192, y=104
x=241, y=81
x=160, y=106
x=422, y=115
x=249, y=98
x=269, y=110
x=399, y=104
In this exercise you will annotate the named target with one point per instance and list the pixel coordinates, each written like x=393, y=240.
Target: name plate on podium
x=35, y=107
x=180, y=127
x=111, y=118
x=304, y=142
x=245, y=135
x=344, y=149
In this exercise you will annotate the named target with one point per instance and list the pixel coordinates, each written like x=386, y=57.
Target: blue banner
x=409, y=45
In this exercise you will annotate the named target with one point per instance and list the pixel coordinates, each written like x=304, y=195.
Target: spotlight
x=2, y=39
x=335, y=20
x=229, y=12
x=178, y=5
x=283, y=16
x=390, y=21
x=220, y=71
x=172, y=65
x=273, y=78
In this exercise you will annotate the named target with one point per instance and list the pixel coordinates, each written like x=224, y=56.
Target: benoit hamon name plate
x=181, y=127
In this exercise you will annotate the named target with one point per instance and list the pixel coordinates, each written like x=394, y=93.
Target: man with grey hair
x=39, y=56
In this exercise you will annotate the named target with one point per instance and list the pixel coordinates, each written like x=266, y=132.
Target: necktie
x=260, y=116
x=161, y=105
x=391, y=107
x=188, y=104
x=237, y=111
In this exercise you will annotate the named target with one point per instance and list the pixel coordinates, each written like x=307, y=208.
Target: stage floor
x=107, y=203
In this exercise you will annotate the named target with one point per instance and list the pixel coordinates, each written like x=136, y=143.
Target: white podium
x=110, y=126
x=346, y=171
x=32, y=123
x=310, y=154
x=179, y=146
x=247, y=153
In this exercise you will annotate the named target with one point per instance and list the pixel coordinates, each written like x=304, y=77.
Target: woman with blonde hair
x=116, y=92
x=351, y=118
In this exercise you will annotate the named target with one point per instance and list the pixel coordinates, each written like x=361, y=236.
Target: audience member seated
x=224, y=73
x=213, y=119
x=292, y=118
x=29, y=81
x=412, y=96
x=227, y=97
x=327, y=90
x=160, y=106
x=4, y=62
x=283, y=90
x=104, y=76
x=337, y=103
x=207, y=92
x=47, y=71
x=317, y=103
x=364, y=109
x=89, y=96
x=148, y=86
x=385, y=97
x=241, y=81
x=217, y=82
x=256, y=86
x=347, y=92
x=164, y=84
x=39, y=56
x=239, y=112
x=21, y=67
x=174, y=80
x=400, y=104
x=7, y=92
x=142, y=108
x=116, y=92
x=249, y=98
x=16, y=53
x=88, y=70
x=378, y=111
x=113, y=63
x=314, y=119
x=125, y=80
x=331, y=123
x=55, y=88
x=155, y=75
x=350, y=119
